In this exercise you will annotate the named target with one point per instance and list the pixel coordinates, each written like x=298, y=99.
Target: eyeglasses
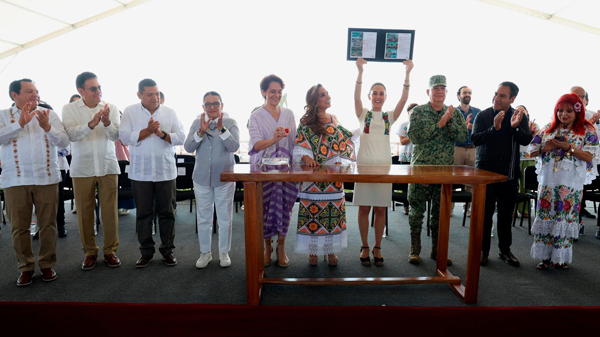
x=94, y=89
x=209, y=104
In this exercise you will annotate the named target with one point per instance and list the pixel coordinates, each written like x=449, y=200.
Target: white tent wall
x=191, y=47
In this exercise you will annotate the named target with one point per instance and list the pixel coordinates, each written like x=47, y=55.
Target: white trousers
x=206, y=199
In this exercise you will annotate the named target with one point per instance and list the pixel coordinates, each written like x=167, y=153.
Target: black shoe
x=484, y=259
x=144, y=261
x=587, y=214
x=36, y=236
x=170, y=260
x=365, y=261
x=598, y=234
x=62, y=234
x=378, y=261
x=510, y=259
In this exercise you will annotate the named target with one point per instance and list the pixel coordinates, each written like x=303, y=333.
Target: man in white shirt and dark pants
x=152, y=131
x=29, y=138
x=93, y=128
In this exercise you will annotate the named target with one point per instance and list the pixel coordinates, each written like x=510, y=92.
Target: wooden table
x=253, y=177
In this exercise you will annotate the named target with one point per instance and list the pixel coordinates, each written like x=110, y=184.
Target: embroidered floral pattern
x=321, y=211
x=560, y=192
x=368, y=119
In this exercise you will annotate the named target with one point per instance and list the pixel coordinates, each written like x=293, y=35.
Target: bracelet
x=357, y=82
x=407, y=86
x=164, y=135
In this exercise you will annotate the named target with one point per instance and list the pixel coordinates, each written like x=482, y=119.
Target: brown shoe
x=89, y=263
x=112, y=260
x=48, y=274
x=25, y=278
x=144, y=261
x=170, y=260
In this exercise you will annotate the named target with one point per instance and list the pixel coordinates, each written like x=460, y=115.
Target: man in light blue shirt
x=464, y=153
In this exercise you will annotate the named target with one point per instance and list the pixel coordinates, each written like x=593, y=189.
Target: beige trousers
x=84, y=190
x=19, y=203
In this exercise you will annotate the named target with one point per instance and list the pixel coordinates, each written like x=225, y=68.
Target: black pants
x=504, y=194
x=60, y=211
x=146, y=194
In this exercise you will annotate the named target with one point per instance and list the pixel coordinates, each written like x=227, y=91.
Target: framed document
x=380, y=45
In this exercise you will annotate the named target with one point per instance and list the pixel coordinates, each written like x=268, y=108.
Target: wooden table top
x=423, y=174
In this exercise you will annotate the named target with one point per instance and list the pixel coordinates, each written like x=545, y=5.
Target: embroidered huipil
x=93, y=151
x=561, y=179
x=322, y=208
x=29, y=154
x=152, y=159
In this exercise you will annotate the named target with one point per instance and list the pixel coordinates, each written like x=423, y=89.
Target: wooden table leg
x=444, y=227
x=475, y=238
x=253, y=227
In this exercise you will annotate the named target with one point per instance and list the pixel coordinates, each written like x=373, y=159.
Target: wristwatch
x=164, y=135
x=223, y=130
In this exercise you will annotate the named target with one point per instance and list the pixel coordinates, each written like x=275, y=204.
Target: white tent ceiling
x=578, y=14
x=26, y=23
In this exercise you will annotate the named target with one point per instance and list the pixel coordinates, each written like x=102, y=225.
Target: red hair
x=580, y=122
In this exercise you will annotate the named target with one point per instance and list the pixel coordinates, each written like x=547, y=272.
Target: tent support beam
x=544, y=16
x=72, y=27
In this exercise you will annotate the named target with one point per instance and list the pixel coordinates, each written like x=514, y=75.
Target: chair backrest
x=459, y=187
x=531, y=181
x=185, y=158
x=68, y=181
x=184, y=176
x=399, y=186
x=123, y=179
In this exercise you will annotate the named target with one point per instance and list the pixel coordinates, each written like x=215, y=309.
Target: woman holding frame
x=375, y=150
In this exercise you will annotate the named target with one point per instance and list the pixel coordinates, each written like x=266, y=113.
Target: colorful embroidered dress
x=322, y=210
x=561, y=179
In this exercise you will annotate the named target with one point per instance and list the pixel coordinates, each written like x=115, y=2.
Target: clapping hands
x=446, y=118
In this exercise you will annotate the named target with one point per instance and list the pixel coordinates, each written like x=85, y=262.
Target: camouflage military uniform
x=432, y=146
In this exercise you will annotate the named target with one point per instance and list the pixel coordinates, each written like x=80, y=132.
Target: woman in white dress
x=375, y=150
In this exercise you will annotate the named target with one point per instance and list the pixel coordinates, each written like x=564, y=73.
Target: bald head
x=581, y=93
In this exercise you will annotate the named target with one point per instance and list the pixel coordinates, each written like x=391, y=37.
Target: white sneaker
x=123, y=211
x=203, y=261
x=224, y=259
x=33, y=228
